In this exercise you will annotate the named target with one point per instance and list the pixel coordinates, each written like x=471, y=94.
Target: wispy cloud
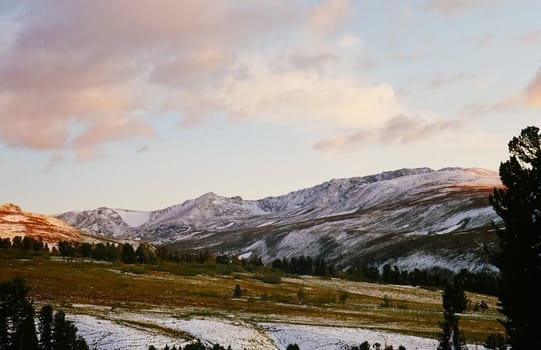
x=400, y=129
x=343, y=142
x=329, y=15
x=142, y=149
x=528, y=97
x=452, y=79
x=532, y=92
x=54, y=161
x=530, y=39
x=270, y=94
x=454, y=7
x=407, y=129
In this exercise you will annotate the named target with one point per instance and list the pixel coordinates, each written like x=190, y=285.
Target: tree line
x=484, y=281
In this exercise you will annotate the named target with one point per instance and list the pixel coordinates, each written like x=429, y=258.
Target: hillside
x=409, y=217
x=15, y=222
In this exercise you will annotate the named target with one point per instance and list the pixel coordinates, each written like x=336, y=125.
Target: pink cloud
x=455, y=7
x=93, y=63
x=531, y=38
x=112, y=129
x=329, y=15
x=399, y=129
x=182, y=70
x=528, y=97
x=342, y=142
x=406, y=129
x=532, y=91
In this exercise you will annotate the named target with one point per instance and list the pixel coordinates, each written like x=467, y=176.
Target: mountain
x=409, y=217
x=15, y=222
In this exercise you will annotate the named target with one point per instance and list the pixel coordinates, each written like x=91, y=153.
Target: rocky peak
x=10, y=207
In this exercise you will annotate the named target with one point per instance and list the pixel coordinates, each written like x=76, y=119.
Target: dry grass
x=415, y=311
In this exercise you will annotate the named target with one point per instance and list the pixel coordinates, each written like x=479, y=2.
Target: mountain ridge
x=330, y=219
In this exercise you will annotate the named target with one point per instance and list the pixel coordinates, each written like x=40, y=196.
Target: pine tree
x=519, y=255
x=46, y=328
x=26, y=335
x=4, y=335
x=128, y=254
x=65, y=334
x=237, y=292
x=16, y=316
x=452, y=337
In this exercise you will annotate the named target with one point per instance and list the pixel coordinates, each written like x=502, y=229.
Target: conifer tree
x=452, y=337
x=237, y=292
x=46, y=328
x=519, y=255
x=128, y=254
x=16, y=316
x=65, y=334
x=26, y=338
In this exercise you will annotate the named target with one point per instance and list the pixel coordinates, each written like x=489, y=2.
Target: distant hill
x=408, y=217
x=15, y=222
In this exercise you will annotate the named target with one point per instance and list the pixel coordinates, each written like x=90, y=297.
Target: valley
x=406, y=219
x=116, y=305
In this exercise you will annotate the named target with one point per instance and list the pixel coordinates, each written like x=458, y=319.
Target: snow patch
x=225, y=226
x=107, y=335
x=332, y=338
x=267, y=223
x=134, y=218
x=246, y=255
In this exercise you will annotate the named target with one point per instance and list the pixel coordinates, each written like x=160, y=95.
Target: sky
x=142, y=104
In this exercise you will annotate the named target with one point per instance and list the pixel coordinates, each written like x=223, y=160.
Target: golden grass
x=416, y=311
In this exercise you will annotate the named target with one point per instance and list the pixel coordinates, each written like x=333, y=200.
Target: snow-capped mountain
x=410, y=217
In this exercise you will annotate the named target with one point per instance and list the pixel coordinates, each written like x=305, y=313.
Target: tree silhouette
x=46, y=327
x=454, y=302
x=237, y=292
x=128, y=254
x=519, y=255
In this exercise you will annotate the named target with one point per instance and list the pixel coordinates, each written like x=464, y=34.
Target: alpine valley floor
x=118, y=306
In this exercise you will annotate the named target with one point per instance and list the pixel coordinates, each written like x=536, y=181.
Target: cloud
x=54, y=161
x=406, y=129
x=288, y=96
x=142, y=149
x=312, y=60
x=101, y=64
x=528, y=97
x=531, y=38
x=329, y=15
x=112, y=129
x=401, y=129
x=182, y=70
x=343, y=142
x=454, y=7
x=531, y=94
x=485, y=40
x=95, y=72
x=446, y=80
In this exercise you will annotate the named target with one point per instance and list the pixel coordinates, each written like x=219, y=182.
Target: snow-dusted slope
x=15, y=222
x=393, y=216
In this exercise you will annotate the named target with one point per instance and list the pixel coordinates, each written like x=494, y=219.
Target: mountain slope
x=410, y=217
x=15, y=222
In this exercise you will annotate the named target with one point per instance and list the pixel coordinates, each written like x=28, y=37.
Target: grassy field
x=305, y=300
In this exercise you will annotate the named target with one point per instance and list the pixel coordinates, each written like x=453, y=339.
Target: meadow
x=185, y=291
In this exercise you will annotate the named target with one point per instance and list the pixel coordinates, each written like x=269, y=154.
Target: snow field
x=131, y=334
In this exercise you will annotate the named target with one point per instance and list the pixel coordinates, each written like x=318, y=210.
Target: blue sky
x=140, y=105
